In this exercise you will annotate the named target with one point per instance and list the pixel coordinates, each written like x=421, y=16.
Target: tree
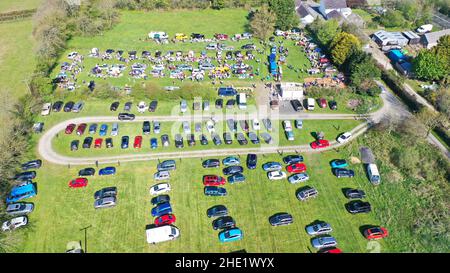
x=392, y=18
x=262, y=23
x=430, y=119
x=342, y=45
x=285, y=13
x=218, y=4
x=325, y=31
x=429, y=66
x=442, y=50
x=361, y=67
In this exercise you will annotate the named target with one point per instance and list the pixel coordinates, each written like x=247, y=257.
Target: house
x=412, y=37
x=357, y=4
x=306, y=13
x=290, y=91
x=431, y=39
x=327, y=6
x=384, y=38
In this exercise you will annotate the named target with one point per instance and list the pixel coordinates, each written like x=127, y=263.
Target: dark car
x=231, y=103
x=68, y=106
x=105, y=192
x=34, y=164
x=292, y=159
x=232, y=170
x=190, y=138
x=217, y=211
x=358, y=206
x=127, y=106
x=179, y=141
x=164, y=198
x=86, y=172
x=203, y=140
x=355, y=194
x=216, y=139
x=109, y=142
x=126, y=116
x=223, y=223
x=114, y=106
x=281, y=219
x=25, y=176
x=74, y=145
x=146, y=127
x=332, y=104
x=87, y=143
x=296, y=104
x=240, y=137
x=214, y=191
x=165, y=140
x=219, y=103
x=253, y=137
x=343, y=173
x=153, y=105
x=211, y=163
x=167, y=165
x=227, y=138
x=125, y=141
x=252, y=160
x=197, y=36
x=57, y=106
x=93, y=128
x=267, y=138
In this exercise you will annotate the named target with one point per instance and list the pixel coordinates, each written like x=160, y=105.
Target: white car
x=256, y=124
x=186, y=127
x=160, y=188
x=162, y=175
x=279, y=32
x=72, y=55
x=19, y=208
x=158, y=67
x=46, y=109
x=425, y=28
x=142, y=107
x=345, y=137
x=183, y=106
x=15, y=223
x=210, y=126
x=287, y=125
x=115, y=129
x=276, y=175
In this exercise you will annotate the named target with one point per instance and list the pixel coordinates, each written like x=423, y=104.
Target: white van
x=310, y=104
x=158, y=35
x=242, y=101
x=425, y=28
x=374, y=175
x=162, y=234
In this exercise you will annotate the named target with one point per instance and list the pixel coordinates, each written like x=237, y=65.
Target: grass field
x=14, y=5
x=61, y=212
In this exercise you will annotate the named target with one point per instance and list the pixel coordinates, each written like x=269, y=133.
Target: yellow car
x=221, y=69
x=181, y=36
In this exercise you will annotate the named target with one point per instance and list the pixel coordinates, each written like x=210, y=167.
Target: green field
x=61, y=212
x=14, y=5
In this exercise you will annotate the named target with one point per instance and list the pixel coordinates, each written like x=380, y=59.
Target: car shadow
x=150, y=226
x=364, y=227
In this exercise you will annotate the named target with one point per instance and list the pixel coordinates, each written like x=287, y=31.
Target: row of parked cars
x=309, y=104
x=225, y=223
x=57, y=106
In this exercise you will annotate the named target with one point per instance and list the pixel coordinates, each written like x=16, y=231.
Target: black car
x=153, y=105
x=164, y=198
x=358, y=206
x=231, y=103
x=203, y=140
x=216, y=139
x=25, y=176
x=211, y=163
x=252, y=160
x=227, y=138
x=125, y=142
x=74, y=145
x=219, y=103
x=105, y=192
x=253, y=138
x=146, y=127
x=34, y=164
x=109, y=142
x=197, y=36
x=86, y=172
x=343, y=173
x=281, y=219
x=165, y=140
x=114, y=106
x=57, y=106
x=332, y=104
x=291, y=159
x=126, y=116
x=68, y=106
x=179, y=141
x=87, y=143
x=217, y=211
x=241, y=139
x=355, y=194
x=127, y=106
x=296, y=104
x=248, y=46
x=232, y=170
x=223, y=223
x=190, y=138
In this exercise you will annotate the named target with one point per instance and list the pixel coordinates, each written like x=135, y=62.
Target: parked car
x=213, y=180
x=287, y=125
x=252, y=161
x=127, y=106
x=46, y=107
x=256, y=125
x=355, y=194
x=165, y=142
x=338, y=172
x=276, y=175
x=231, y=235
x=268, y=124
x=153, y=143
x=215, y=191
x=203, y=140
x=211, y=163
x=156, y=127
x=241, y=139
x=87, y=142
x=298, y=178
x=183, y=106
x=223, y=222
x=244, y=125
x=78, y=183
x=236, y=178
x=179, y=141
x=15, y=223
x=167, y=165
x=74, y=145
x=217, y=211
x=142, y=107
x=322, y=242
x=186, y=127
x=163, y=198
x=281, y=219
x=232, y=124
x=230, y=103
x=322, y=103
x=86, y=172
x=105, y=202
x=216, y=139
x=321, y=143
x=125, y=142
x=296, y=104
x=345, y=137
x=107, y=171
x=267, y=138
x=358, y=206
x=272, y=166
x=109, y=143
x=332, y=104
x=318, y=229
x=339, y=163
x=331, y=250
x=166, y=219
x=126, y=116
x=231, y=161
x=296, y=168
x=33, y=164
x=57, y=106
x=114, y=106
x=298, y=124
x=160, y=188
x=306, y=193
x=375, y=233
x=98, y=143
x=68, y=106
x=115, y=129
x=227, y=138
x=77, y=107
x=146, y=127
x=153, y=106
x=206, y=105
x=25, y=176
x=253, y=138
x=219, y=103
x=81, y=128
x=105, y=192
x=93, y=128
x=137, y=144
x=162, y=175
x=161, y=209
x=70, y=128
x=19, y=208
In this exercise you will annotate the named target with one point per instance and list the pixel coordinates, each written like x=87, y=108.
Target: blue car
x=161, y=209
x=107, y=171
x=215, y=191
x=231, y=161
x=236, y=178
x=103, y=130
x=339, y=163
x=272, y=166
x=21, y=191
x=154, y=143
x=231, y=235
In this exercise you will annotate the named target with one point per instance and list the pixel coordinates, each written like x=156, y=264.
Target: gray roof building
x=431, y=39
x=383, y=38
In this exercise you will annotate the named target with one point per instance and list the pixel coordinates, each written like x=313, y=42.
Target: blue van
x=161, y=209
x=21, y=191
x=227, y=92
x=107, y=171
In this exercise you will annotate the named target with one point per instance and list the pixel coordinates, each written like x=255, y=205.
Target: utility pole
x=85, y=237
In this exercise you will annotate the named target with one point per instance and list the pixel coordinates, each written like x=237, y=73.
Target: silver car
x=323, y=242
x=106, y=202
x=198, y=127
x=297, y=178
x=318, y=229
x=268, y=124
x=78, y=107
x=19, y=209
x=162, y=175
x=156, y=127
x=206, y=105
x=186, y=127
x=183, y=106
x=115, y=129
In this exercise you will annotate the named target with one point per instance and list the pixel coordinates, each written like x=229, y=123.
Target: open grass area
x=61, y=212
x=14, y=5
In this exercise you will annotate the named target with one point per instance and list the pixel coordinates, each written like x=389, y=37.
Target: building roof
x=304, y=10
x=433, y=37
x=334, y=4
x=389, y=36
x=411, y=35
x=334, y=14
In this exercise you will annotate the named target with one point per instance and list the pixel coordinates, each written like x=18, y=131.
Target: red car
x=220, y=36
x=98, y=143
x=322, y=103
x=332, y=250
x=137, y=142
x=321, y=143
x=165, y=219
x=296, y=168
x=78, y=183
x=375, y=233
x=81, y=128
x=213, y=180
x=70, y=128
